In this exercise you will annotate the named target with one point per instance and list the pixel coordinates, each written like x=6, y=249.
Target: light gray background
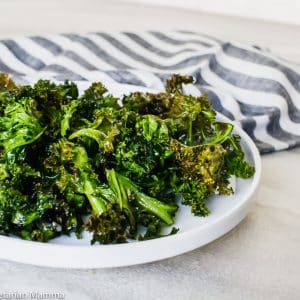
x=260, y=259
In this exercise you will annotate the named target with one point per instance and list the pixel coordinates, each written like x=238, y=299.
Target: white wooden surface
x=285, y=11
x=19, y=17
x=260, y=258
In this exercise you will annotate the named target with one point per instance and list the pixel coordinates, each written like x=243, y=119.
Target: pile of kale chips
x=70, y=163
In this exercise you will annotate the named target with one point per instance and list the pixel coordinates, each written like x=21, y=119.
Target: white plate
x=69, y=252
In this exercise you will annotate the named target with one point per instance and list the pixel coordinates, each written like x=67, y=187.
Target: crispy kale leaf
x=71, y=162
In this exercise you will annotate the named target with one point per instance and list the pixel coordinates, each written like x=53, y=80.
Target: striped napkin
x=256, y=89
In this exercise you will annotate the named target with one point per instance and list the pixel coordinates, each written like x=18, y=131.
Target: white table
x=260, y=259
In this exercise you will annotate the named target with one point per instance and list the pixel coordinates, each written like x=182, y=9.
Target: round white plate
x=69, y=252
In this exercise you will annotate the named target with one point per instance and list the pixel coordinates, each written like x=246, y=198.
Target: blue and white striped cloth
x=258, y=90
